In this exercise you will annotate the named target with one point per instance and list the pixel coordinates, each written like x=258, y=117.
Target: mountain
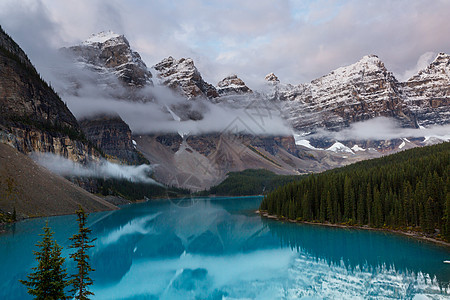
x=200, y=161
x=358, y=92
x=32, y=115
x=33, y=118
x=37, y=192
x=232, y=85
x=427, y=93
x=109, y=53
x=182, y=76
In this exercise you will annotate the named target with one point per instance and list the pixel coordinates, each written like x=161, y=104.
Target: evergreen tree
x=410, y=188
x=82, y=242
x=49, y=279
x=446, y=228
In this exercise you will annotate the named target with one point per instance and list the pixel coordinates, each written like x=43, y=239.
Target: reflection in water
x=370, y=250
x=216, y=248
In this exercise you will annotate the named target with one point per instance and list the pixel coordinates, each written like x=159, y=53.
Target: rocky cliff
x=32, y=116
x=232, y=85
x=182, y=76
x=113, y=136
x=109, y=53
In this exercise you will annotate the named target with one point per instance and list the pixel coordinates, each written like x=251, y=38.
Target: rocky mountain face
x=32, y=116
x=113, y=136
x=182, y=76
x=427, y=94
x=358, y=92
x=201, y=161
x=109, y=53
x=232, y=85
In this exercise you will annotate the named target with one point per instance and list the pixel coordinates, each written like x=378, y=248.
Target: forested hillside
x=410, y=189
x=250, y=182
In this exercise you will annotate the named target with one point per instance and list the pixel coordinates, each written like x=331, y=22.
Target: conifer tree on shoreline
x=82, y=242
x=409, y=190
x=49, y=279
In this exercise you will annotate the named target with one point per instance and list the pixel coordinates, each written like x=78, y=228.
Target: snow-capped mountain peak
x=183, y=76
x=439, y=68
x=367, y=64
x=110, y=55
x=232, y=85
x=339, y=147
x=101, y=37
x=272, y=78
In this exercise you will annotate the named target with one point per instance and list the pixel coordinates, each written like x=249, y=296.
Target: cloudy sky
x=297, y=40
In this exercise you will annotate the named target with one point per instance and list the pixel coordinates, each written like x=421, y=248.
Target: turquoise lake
x=218, y=248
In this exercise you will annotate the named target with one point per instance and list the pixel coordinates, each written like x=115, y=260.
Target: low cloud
x=103, y=169
x=382, y=128
x=88, y=94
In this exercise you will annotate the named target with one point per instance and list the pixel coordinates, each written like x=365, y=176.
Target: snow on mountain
x=110, y=55
x=427, y=94
x=182, y=76
x=348, y=94
x=356, y=148
x=272, y=78
x=232, y=85
x=339, y=147
x=305, y=143
x=101, y=37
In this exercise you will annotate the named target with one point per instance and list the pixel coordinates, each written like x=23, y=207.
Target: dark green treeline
x=407, y=189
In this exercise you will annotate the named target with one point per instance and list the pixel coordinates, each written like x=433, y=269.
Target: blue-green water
x=220, y=249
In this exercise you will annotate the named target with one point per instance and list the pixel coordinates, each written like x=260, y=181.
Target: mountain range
x=178, y=94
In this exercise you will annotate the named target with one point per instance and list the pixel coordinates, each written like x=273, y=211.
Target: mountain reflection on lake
x=217, y=248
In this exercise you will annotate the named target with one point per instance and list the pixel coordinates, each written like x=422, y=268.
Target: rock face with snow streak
x=232, y=85
x=182, y=76
x=107, y=52
x=358, y=92
x=427, y=94
x=111, y=134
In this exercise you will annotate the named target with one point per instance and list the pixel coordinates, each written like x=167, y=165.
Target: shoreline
x=411, y=234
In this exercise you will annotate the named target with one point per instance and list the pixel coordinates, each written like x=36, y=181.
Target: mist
x=103, y=169
x=159, y=109
x=383, y=128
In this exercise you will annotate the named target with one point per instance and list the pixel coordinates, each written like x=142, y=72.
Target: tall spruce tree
x=82, y=242
x=49, y=279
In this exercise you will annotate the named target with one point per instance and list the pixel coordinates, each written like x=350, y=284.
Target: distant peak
x=101, y=37
x=371, y=58
x=272, y=78
x=232, y=84
x=232, y=76
x=170, y=62
x=442, y=56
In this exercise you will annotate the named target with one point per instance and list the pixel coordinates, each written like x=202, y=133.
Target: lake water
x=219, y=248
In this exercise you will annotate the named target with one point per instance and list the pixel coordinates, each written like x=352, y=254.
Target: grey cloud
x=383, y=128
x=65, y=167
x=299, y=41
